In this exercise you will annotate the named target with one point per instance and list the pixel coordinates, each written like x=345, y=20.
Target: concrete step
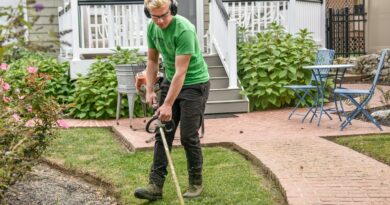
x=219, y=82
x=227, y=106
x=217, y=71
x=212, y=60
x=225, y=94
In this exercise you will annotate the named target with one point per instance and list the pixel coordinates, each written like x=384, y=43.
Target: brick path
x=309, y=168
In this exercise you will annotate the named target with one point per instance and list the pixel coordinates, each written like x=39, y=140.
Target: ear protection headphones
x=172, y=7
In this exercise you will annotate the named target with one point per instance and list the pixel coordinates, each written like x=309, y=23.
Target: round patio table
x=321, y=73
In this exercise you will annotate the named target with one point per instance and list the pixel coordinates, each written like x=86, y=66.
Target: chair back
x=378, y=70
x=323, y=57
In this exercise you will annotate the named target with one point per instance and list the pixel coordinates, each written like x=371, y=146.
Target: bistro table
x=321, y=73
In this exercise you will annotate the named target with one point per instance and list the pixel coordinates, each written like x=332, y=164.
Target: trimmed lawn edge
x=333, y=140
x=108, y=188
x=262, y=169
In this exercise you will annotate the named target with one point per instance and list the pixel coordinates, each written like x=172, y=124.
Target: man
x=184, y=92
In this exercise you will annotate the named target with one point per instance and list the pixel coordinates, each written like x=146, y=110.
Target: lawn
x=375, y=146
x=228, y=177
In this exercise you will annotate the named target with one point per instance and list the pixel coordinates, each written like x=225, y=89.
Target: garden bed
x=46, y=185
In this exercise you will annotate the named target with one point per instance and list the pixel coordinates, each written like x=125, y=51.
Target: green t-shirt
x=179, y=38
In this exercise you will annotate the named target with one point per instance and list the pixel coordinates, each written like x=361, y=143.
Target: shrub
x=26, y=120
x=271, y=59
x=58, y=85
x=27, y=111
x=96, y=94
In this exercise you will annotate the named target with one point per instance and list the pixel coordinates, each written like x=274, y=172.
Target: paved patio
x=308, y=168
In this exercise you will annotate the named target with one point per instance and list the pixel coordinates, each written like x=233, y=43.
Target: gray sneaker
x=193, y=191
x=151, y=192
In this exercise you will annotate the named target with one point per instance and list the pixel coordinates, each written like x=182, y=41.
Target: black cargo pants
x=187, y=109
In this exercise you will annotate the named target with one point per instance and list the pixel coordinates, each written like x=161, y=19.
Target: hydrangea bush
x=95, y=95
x=270, y=60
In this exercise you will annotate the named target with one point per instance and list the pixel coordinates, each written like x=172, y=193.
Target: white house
x=94, y=27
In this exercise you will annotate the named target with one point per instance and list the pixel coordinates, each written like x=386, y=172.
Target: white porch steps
x=221, y=98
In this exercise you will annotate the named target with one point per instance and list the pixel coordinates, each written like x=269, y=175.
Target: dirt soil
x=46, y=185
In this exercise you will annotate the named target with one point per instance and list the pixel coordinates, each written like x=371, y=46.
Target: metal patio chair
x=323, y=57
x=350, y=94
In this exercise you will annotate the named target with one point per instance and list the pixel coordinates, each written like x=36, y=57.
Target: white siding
x=4, y=3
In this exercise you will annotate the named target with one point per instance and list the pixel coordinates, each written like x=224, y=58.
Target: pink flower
x=16, y=117
x=62, y=124
x=29, y=108
x=6, y=99
x=32, y=70
x=6, y=86
x=4, y=66
x=30, y=123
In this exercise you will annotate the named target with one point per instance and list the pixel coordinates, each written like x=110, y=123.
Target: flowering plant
x=27, y=116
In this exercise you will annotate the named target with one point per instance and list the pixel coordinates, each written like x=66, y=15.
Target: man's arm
x=151, y=73
x=181, y=67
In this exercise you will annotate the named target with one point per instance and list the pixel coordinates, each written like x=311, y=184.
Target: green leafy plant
x=27, y=116
x=58, y=85
x=271, y=59
x=95, y=95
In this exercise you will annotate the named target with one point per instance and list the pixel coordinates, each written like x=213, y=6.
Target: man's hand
x=165, y=113
x=151, y=98
x=151, y=73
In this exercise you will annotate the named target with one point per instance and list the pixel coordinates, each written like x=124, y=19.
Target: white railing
x=107, y=26
x=97, y=29
x=223, y=35
x=255, y=16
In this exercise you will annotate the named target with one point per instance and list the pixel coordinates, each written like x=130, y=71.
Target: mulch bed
x=46, y=185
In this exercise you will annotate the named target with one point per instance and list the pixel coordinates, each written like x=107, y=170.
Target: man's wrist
x=167, y=103
x=149, y=87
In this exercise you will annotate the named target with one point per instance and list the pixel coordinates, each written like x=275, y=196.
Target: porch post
x=232, y=55
x=75, y=29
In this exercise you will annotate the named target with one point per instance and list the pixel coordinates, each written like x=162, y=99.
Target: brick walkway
x=309, y=168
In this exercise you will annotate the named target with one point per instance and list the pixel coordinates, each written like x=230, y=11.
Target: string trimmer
x=163, y=127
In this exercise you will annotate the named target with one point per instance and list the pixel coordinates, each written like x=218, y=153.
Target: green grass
x=228, y=177
x=375, y=146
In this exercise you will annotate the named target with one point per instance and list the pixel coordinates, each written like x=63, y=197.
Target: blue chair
x=323, y=57
x=350, y=94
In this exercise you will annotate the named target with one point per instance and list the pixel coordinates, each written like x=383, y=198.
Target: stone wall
x=367, y=65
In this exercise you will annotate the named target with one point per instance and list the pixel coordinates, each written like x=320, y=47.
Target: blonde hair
x=155, y=3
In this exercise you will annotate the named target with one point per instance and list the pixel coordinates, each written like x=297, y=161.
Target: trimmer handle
x=168, y=126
